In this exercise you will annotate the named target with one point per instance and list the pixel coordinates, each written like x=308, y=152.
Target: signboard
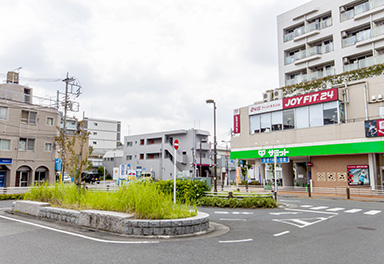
x=176, y=144
x=278, y=160
x=358, y=174
x=6, y=161
x=236, y=121
x=311, y=98
x=116, y=173
x=57, y=164
x=331, y=149
x=374, y=128
x=265, y=107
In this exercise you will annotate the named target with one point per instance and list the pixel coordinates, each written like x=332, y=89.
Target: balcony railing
x=367, y=62
x=360, y=9
x=298, y=79
x=317, y=50
x=363, y=36
x=308, y=28
x=321, y=74
x=26, y=98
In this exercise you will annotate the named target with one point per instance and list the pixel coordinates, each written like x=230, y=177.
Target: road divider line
x=232, y=219
x=237, y=241
x=282, y=233
x=79, y=235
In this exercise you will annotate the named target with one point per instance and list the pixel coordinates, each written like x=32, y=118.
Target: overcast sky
x=150, y=64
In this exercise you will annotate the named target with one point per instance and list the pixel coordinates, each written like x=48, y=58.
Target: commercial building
x=153, y=153
x=325, y=124
x=327, y=37
x=28, y=129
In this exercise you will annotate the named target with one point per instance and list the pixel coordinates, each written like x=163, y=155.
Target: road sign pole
x=175, y=147
x=275, y=158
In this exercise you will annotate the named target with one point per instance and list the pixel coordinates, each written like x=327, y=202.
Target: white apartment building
x=327, y=37
x=154, y=153
x=104, y=135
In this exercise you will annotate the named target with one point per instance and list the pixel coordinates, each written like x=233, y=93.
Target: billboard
x=311, y=98
x=236, y=121
x=374, y=128
x=358, y=175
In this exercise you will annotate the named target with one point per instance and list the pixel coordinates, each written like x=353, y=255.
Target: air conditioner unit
x=325, y=85
x=345, y=60
x=277, y=94
x=380, y=97
x=267, y=96
x=373, y=98
x=344, y=34
x=342, y=9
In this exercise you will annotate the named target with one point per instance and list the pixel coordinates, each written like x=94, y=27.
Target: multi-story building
x=28, y=126
x=327, y=37
x=325, y=125
x=104, y=135
x=154, y=153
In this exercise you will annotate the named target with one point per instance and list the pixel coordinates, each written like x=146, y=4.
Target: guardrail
x=14, y=190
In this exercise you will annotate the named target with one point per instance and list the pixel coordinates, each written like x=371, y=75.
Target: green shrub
x=247, y=202
x=187, y=191
x=17, y=196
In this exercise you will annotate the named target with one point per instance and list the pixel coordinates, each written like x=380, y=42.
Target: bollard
x=275, y=195
x=107, y=187
x=348, y=193
x=309, y=191
x=230, y=195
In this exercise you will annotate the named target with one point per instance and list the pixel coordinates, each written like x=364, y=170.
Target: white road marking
x=244, y=213
x=236, y=241
x=282, y=233
x=352, y=211
x=232, y=219
x=289, y=201
x=335, y=209
x=78, y=235
x=310, y=211
x=319, y=208
x=373, y=212
x=221, y=212
x=306, y=206
x=285, y=213
x=302, y=222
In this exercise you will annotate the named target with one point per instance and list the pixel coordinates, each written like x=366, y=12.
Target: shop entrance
x=2, y=178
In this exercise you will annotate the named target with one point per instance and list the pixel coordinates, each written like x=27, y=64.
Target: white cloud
x=150, y=64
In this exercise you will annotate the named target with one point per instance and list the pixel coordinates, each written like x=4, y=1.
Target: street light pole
x=211, y=101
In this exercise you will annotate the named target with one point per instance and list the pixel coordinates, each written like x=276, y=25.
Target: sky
x=150, y=64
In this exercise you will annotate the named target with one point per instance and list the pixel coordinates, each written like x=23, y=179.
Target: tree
x=75, y=155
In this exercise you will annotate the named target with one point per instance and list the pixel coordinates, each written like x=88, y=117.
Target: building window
x=129, y=157
x=48, y=147
x=302, y=118
x=254, y=124
x=151, y=156
x=3, y=113
x=129, y=144
x=315, y=115
x=141, y=141
x=5, y=144
x=288, y=119
x=141, y=156
x=49, y=121
x=28, y=117
x=277, y=121
x=94, y=133
x=26, y=144
x=330, y=113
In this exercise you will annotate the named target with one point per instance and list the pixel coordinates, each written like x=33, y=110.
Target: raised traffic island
x=116, y=222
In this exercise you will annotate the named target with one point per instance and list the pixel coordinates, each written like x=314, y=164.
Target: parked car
x=90, y=177
x=67, y=178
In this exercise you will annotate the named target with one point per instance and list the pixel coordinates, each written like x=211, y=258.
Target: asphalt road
x=302, y=231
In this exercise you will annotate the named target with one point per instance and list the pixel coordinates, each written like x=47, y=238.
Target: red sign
x=236, y=124
x=311, y=98
x=176, y=144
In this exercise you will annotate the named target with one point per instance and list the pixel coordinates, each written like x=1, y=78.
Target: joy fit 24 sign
x=311, y=98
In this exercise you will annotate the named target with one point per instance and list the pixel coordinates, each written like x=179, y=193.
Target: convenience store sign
x=333, y=149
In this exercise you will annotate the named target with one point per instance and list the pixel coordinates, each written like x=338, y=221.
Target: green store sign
x=333, y=149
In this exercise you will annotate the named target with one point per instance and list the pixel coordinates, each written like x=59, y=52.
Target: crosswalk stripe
x=335, y=209
x=306, y=206
x=319, y=208
x=352, y=211
x=372, y=212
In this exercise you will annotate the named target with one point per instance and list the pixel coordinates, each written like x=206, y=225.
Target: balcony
x=298, y=79
x=367, y=62
x=322, y=74
x=362, y=10
x=308, y=54
x=307, y=30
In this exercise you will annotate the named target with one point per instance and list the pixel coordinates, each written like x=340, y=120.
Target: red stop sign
x=176, y=144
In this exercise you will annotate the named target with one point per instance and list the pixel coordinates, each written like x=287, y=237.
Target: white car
x=67, y=178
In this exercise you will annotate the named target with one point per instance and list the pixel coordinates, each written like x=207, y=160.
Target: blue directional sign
x=5, y=161
x=58, y=164
x=278, y=160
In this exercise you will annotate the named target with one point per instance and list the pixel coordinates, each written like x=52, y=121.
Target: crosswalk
x=340, y=209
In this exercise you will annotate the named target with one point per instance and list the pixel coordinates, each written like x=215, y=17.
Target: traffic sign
x=176, y=144
x=278, y=160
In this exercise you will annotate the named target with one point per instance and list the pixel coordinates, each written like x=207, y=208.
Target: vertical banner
x=236, y=121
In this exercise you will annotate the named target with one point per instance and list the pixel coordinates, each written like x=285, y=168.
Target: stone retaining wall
x=116, y=222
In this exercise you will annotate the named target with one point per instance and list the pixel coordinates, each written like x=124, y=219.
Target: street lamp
x=211, y=101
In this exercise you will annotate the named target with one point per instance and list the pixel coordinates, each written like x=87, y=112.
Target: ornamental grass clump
x=142, y=199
